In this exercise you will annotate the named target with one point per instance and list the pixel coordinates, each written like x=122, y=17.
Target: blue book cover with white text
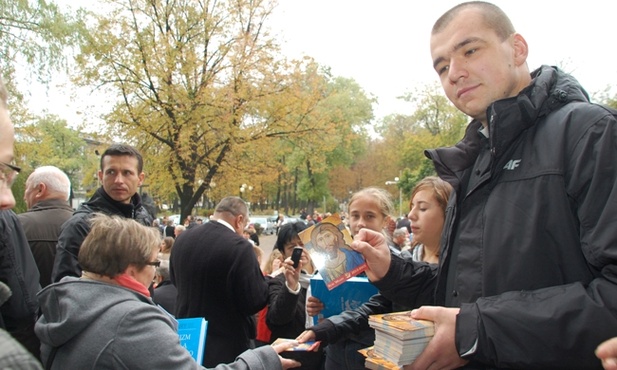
x=192, y=333
x=347, y=296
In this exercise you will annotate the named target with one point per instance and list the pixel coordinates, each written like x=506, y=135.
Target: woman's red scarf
x=129, y=282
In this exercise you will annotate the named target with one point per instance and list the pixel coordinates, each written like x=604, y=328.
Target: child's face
x=427, y=218
x=365, y=213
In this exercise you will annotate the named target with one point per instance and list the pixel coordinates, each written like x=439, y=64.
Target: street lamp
x=400, y=195
x=243, y=188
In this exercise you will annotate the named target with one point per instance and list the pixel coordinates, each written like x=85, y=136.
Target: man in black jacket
x=18, y=271
x=218, y=277
x=528, y=256
x=121, y=175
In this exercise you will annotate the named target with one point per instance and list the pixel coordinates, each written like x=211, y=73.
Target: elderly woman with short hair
x=106, y=319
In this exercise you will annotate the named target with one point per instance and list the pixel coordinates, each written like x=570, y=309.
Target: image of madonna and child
x=370, y=208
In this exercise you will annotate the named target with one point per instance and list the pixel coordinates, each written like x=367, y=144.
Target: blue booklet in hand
x=347, y=296
x=192, y=332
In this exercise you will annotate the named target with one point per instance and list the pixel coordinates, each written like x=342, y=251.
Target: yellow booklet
x=401, y=325
x=375, y=362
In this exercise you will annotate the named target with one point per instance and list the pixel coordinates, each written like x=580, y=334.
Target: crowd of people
x=513, y=251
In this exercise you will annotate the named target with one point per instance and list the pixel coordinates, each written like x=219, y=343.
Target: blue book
x=192, y=333
x=347, y=296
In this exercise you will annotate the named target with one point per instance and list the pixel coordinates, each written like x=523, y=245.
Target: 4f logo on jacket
x=512, y=164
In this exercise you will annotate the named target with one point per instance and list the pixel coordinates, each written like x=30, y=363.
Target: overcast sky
x=384, y=44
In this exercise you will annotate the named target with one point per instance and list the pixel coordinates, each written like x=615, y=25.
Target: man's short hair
x=493, y=16
x=234, y=205
x=124, y=149
x=54, y=178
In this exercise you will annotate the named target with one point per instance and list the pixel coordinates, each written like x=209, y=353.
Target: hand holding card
x=309, y=354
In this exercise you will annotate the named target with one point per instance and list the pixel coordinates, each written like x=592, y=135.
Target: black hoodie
x=74, y=231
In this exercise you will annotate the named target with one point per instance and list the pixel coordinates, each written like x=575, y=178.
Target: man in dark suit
x=218, y=277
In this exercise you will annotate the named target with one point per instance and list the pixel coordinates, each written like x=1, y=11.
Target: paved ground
x=266, y=242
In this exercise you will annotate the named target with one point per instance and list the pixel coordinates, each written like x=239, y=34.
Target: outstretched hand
x=374, y=248
x=306, y=336
x=286, y=363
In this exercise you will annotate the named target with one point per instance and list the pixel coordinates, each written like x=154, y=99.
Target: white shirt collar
x=226, y=224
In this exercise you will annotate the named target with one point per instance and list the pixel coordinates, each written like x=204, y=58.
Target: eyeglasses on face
x=8, y=173
x=155, y=263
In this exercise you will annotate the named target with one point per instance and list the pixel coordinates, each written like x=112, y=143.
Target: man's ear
x=240, y=222
x=41, y=189
x=521, y=49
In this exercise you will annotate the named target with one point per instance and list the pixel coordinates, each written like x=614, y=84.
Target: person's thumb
x=284, y=346
x=424, y=313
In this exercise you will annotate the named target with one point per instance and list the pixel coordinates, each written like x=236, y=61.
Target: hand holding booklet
x=328, y=244
x=308, y=354
x=308, y=346
x=399, y=338
x=347, y=296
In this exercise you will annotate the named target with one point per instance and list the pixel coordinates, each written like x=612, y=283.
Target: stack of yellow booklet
x=399, y=339
x=375, y=362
